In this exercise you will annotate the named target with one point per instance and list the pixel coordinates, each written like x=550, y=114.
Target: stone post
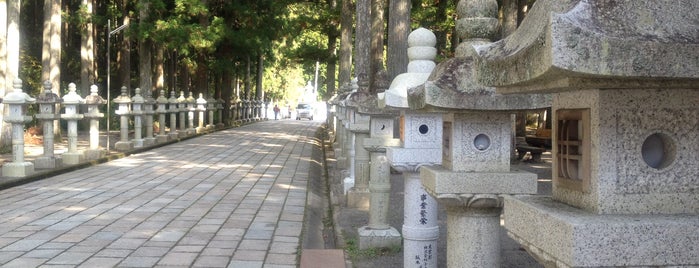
x=148, y=112
x=173, y=109
x=182, y=107
x=93, y=101
x=162, y=111
x=191, y=108
x=625, y=78
x=16, y=102
x=47, y=101
x=71, y=102
x=420, y=135
x=137, y=102
x=201, y=109
x=378, y=233
x=211, y=106
x=123, y=102
x=350, y=149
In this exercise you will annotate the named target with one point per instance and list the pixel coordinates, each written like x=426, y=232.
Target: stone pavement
x=233, y=198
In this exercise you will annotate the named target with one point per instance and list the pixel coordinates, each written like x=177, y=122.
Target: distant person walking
x=276, y=111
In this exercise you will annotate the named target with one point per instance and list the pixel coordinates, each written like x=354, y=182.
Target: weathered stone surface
x=452, y=86
x=563, y=236
x=575, y=44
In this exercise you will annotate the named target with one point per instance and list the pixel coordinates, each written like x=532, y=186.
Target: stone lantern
x=71, y=104
x=16, y=102
x=211, y=107
x=182, y=107
x=421, y=146
x=191, y=108
x=201, y=110
x=172, y=108
x=47, y=115
x=93, y=102
x=137, y=102
x=219, y=107
x=148, y=113
x=625, y=83
x=123, y=110
x=162, y=111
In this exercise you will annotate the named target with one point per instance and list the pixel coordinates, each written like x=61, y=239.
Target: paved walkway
x=234, y=198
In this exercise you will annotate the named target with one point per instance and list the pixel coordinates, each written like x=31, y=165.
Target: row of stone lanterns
x=244, y=111
x=139, y=107
x=624, y=148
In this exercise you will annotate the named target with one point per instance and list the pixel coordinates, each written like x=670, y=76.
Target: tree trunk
x=377, y=33
x=508, y=20
x=87, y=53
x=5, y=46
x=345, y=43
x=124, y=59
x=145, y=53
x=362, y=68
x=399, y=28
x=226, y=92
x=247, y=82
x=159, y=70
x=441, y=33
x=259, y=91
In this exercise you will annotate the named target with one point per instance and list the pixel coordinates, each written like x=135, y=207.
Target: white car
x=304, y=110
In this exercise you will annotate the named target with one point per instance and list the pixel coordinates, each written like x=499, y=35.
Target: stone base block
x=148, y=141
x=358, y=198
x=73, y=158
x=373, y=238
x=347, y=184
x=123, y=146
x=182, y=134
x=44, y=162
x=137, y=143
x=399, y=156
x=162, y=138
x=220, y=125
x=17, y=170
x=95, y=154
x=210, y=128
x=439, y=180
x=200, y=130
x=191, y=132
x=559, y=235
x=173, y=136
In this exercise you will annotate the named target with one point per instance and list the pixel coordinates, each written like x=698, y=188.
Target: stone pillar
x=378, y=233
x=71, y=103
x=182, y=107
x=137, y=102
x=162, y=111
x=16, y=102
x=358, y=196
x=173, y=109
x=123, y=102
x=350, y=149
x=624, y=147
x=191, y=109
x=148, y=112
x=47, y=114
x=93, y=114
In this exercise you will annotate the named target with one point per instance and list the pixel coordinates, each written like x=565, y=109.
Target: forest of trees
x=221, y=48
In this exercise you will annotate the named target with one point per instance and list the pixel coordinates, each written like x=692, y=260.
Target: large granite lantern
x=625, y=83
x=16, y=101
x=71, y=104
x=47, y=101
x=162, y=112
x=123, y=110
x=93, y=102
x=137, y=103
x=421, y=145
